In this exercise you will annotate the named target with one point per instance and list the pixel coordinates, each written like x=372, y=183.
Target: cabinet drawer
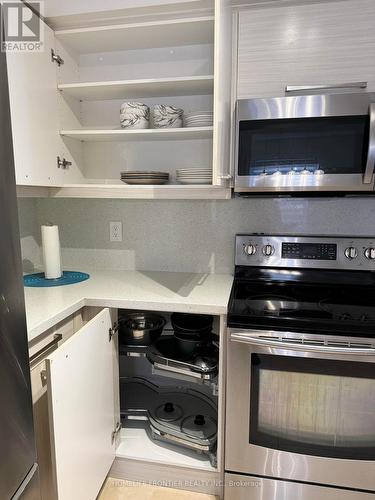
x=41, y=428
x=40, y=347
x=55, y=336
x=240, y=487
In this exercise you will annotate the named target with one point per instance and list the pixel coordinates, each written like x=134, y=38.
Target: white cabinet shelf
x=169, y=33
x=136, y=444
x=123, y=191
x=130, y=89
x=101, y=135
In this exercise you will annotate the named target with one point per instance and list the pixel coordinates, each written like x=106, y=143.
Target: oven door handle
x=370, y=164
x=244, y=338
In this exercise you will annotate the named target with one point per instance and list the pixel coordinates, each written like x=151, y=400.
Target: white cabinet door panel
x=222, y=92
x=82, y=410
x=318, y=43
x=34, y=114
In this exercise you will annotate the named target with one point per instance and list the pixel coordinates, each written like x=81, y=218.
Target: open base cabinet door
x=82, y=410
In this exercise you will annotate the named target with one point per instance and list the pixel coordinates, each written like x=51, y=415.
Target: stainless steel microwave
x=306, y=143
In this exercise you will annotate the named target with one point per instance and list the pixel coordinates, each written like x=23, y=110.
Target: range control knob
x=370, y=253
x=268, y=250
x=250, y=249
x=351, y=253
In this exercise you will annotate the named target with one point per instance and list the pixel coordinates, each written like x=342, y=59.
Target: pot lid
x=199, y=426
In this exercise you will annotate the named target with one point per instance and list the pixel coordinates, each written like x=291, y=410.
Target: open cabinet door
x=36, y=108
x=222, y=93
x=34, y=113
x=82, y=410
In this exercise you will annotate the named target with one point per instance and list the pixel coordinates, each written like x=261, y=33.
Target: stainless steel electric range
x=300, y=416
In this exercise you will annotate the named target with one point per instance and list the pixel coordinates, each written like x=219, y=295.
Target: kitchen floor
x=117, y=489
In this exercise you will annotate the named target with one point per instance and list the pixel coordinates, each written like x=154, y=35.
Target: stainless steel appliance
x=300, y=416
x=18, y=468
x=321, y=143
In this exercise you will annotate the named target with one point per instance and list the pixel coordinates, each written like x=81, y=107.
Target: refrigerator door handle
x=25, y=483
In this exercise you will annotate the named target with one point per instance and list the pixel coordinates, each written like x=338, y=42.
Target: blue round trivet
x=68, y=278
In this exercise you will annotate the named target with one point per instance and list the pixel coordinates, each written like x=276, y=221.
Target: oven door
x=306, y=143
x=301, y=411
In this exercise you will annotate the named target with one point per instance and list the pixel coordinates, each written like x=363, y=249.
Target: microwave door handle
x=243, y=338
x=331, y=86
x=370, y=164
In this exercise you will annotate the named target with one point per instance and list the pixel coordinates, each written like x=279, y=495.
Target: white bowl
x=134, y=115
x=165, y=116
x=134, y=122
x=134, y=107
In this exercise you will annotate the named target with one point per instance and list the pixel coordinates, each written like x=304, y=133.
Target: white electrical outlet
x=115, y=231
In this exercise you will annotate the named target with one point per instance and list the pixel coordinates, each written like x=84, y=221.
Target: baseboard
x=168, y=476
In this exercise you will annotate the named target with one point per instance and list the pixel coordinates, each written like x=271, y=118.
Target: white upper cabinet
x=35, y=117
x=311, y=44
x=72, y=110
x=80, y=386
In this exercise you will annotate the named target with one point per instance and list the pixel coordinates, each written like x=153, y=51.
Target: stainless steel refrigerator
x=18, y=468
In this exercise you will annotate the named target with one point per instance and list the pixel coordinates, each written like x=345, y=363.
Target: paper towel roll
x=51, y=252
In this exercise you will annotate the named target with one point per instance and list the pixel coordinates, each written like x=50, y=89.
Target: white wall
x=195, y=236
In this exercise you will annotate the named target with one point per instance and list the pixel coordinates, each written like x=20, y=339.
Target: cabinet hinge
x=113, y=331
x=116, y=431
x=63, y=163
x=56, y=58
x=43, y=377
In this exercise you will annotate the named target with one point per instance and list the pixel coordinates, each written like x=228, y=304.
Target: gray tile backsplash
x=195, y=236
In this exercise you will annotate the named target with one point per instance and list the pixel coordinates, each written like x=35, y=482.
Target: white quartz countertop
x=158, y=291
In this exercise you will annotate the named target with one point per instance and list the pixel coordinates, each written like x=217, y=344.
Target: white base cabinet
x=76, y=372
x=82, y=410
x=76, y=410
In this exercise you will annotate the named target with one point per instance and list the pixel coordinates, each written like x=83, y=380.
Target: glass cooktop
x=311, y=301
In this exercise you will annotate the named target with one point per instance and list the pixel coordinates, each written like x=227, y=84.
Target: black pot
x=140, y=328
x=188, y=345
x=192, y=324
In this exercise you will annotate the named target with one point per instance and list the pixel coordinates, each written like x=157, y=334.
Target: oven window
x=329, y=145
x=314, y=407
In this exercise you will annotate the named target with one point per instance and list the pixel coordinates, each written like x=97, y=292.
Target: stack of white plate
x=142, y=177
x=194, y=175
x=199, y=119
